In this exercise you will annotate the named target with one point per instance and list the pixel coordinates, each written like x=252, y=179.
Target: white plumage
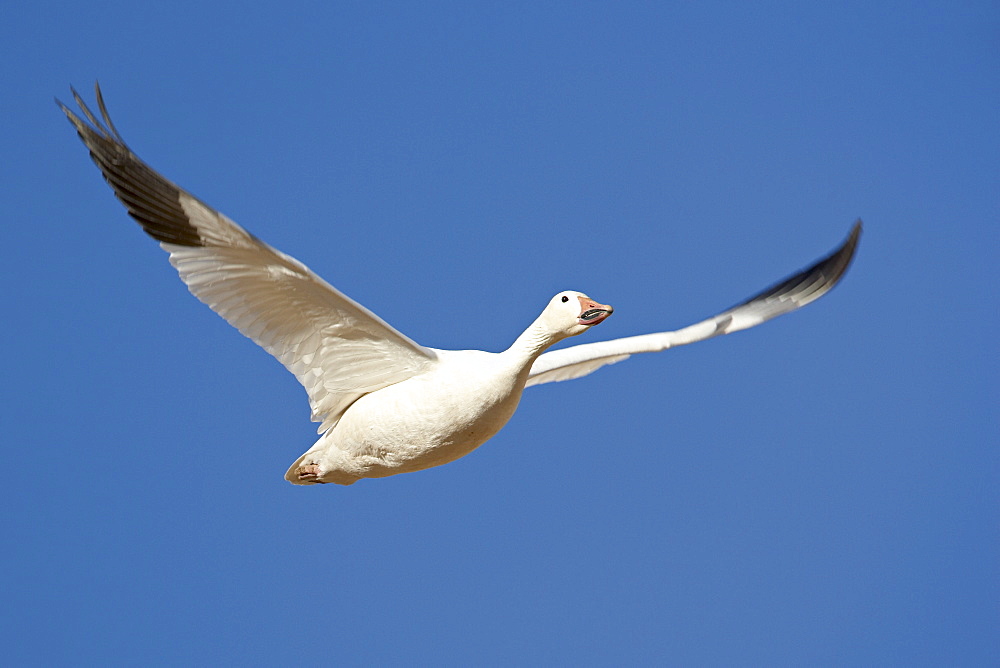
x=386, y=404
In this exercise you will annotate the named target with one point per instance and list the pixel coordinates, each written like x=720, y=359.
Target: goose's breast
x=433, y=418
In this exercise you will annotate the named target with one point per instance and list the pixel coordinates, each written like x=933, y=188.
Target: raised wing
x=794, y=292
x=338, y=349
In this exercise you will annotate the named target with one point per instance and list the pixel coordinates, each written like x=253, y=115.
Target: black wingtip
x=105, y=115
x=856, y=232
x=152, y=200
x=811, y=283
x=836, y=265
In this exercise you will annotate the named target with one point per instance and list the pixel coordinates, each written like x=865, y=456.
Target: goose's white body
x=424, y=421
x=457, y=402
x=386, y=404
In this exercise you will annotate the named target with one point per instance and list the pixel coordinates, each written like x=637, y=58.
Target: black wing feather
x=152, y=200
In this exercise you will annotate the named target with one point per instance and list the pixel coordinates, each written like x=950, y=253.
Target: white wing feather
x=336, y=348
x=793, y=293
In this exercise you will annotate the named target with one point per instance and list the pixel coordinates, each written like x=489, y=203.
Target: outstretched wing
x=338, y=349
x=794, y=292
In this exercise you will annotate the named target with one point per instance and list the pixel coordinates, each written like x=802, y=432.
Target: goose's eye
x=565, y=299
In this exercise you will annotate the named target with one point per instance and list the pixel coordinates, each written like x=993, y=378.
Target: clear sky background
x=821, y=490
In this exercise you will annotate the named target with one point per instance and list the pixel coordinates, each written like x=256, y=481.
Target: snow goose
x=385, y=404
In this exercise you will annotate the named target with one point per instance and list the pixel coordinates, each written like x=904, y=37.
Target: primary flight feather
x=385, y=404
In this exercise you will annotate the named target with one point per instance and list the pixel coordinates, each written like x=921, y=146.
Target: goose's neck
x=532, y=342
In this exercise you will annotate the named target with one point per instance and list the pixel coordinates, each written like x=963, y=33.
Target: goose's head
x=570, y=313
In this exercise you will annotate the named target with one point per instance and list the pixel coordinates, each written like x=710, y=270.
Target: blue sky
x=821, y=490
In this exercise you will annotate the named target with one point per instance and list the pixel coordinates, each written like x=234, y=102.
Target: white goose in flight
x=385, y=404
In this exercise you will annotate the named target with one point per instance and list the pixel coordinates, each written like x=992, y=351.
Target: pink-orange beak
x=592, y=313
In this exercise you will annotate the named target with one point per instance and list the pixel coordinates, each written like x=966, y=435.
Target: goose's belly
x=422, y=422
